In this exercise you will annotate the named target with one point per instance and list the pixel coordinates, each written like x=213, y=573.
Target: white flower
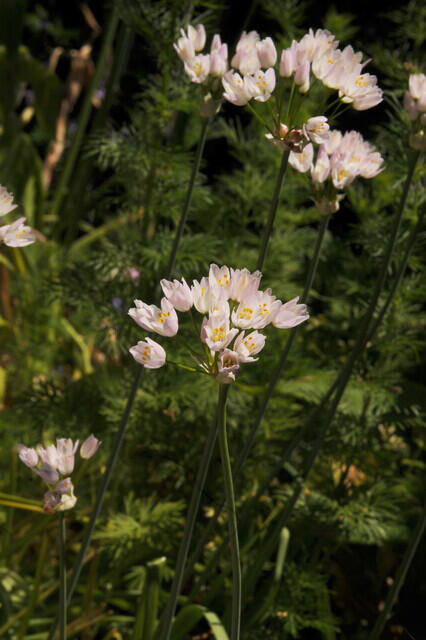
x=317, y=129
x=89, y=447
x=302, y=161
x=243, y=283
x=256, y=311
x=313, y=46
x=417, y=87
x=290, y=315
x=261, y=85
x=215, y=331
x=6, y=201
x=246, y=347
x=246, y=58
x=218, y=57
x=27, y=456
x=163, y=321
x=288, y=63
x=360, y=90
x=187, y=45
x=66, y=449
x=198, y=68
x=267, y=52
x=302, y=76
x=321, y=170
x=228, y=365
x=202, y=295
x=410, y=106
x=149, y=353
x=47, y=473
x=333, y=141
x=178, y=294
x=17, y=234
x=60, y=498
x=49, y=455
x=219, y=281
x=236, y=89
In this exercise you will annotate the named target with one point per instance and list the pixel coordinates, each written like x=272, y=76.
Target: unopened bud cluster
x=52, y=463
x=235, y=313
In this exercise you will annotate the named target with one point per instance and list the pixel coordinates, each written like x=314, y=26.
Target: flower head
x=52, y=462
x=17, y=234
x=235, y=313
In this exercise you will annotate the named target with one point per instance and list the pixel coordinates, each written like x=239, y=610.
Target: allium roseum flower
x=6, y=201
x=338, y=162
x=52, y=462
x=16, y=234
x=415, y=105
x=234, y=314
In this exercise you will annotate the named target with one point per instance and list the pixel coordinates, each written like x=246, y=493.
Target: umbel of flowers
x=16, y=234
x=415, y=105
x=54, y=465
x=235, y=314
x=256, y=75
x=338, y=162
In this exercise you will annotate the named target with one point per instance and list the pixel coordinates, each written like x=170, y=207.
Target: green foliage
x=65, y=334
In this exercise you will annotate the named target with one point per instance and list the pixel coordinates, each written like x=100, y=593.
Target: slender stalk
x=188, y=198
x=400, y=577
x=119, y=438
x=270, y=541
x=164, y=627
x=84, y=115
x=268, y=394
x=232, y=516
x=62, y=580
x=400, y=274
x=273, y=210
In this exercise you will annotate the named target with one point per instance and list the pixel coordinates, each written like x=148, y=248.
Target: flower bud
x=266, y=52
x=288, y=61
x=89, y=447
x=301, y=77
x=27, y=456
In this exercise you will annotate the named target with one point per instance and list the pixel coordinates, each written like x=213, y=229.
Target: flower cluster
x=254, y=60
x=338, y=162
x=415, y=105
x=16, y=234
x=235, y=312
x=51, y=463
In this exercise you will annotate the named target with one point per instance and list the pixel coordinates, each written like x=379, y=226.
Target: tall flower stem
x=232, y=516
x=188, y=198
x=164, y=627
x=273, y=210
x=62, y=580
x=400, y=577
x=119, y=438
x=271, y=540
x=268, y=394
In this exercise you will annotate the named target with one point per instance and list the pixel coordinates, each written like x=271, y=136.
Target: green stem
x=187, y=203
x=232, y=516
x=164, y=627
x=271, y=540
x=62, y=580
x=84, y=115
x=400, y=577
x=273, y=210
x=400, y=274
x=119, y=438
x=268, y=394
